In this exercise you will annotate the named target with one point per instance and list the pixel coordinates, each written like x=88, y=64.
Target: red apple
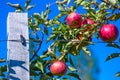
x=108, y=32
x=58, y=68
x=86, y=21
x=74, y=20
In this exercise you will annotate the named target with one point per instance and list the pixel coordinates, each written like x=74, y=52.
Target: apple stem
x=63, y=54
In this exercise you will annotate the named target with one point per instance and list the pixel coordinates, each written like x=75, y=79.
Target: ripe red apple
x=58, y=68
x=108, y=32
x=86, y=21
x=74, y=20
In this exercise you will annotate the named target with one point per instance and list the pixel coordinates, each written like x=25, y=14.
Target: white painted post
x=18, y=47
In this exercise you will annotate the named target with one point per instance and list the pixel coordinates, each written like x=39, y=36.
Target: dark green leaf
x=74, y=75
x=75, y=49
x=65, y=78
x=113, y=45
x=33, y=73
x=2, y=70
x=46, y=31
x=33, y=69
x=49, y=74
x=1, y=73
x=117, y=74
x=60, y=46
x=36, y=15
x=112, y=56
x=71, y=62
x=3, y=79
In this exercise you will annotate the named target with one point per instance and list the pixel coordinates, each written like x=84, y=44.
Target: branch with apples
x=68, y=33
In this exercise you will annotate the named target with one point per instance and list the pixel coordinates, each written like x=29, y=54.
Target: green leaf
x=113, y=2
x=60, y=46
x=65, y=78
x=32, y=72
x=83, y=3
x=71, y=62
x=56, y=32
x=27, y=3
x=72, y=68
x=85, y=49
x=36, y=15
x=52, y=37
x=69, y=44
x=45, y=77
x=60, y=8
x=2, y=70
x=46, y=31
x=68, y=2
x=75, y=75
x=113, y=45
x=3, y=79
x=112, y=56
x=33, y=67
x=75, y=49
x=78, y=1
x=115, y=16
x=39, y=65
x=103, y=6
x=44, y=56
x=117, y=74
x=29, y=7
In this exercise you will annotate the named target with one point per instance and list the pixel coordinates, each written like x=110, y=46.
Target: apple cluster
x=108, y=32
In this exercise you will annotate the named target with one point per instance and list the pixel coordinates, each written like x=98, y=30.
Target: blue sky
x=107, y=69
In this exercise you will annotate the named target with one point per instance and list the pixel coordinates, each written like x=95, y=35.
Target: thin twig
x=37, y=49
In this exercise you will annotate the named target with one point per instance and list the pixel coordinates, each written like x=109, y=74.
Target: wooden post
x=18, y=47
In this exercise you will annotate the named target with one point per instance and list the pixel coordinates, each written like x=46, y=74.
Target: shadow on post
x=18, y=65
